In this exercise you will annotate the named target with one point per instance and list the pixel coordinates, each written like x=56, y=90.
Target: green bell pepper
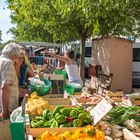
x=70, y=124
x=54, y=124
x=66, y=125
x=79, y=108
x=74, y=113
x=85, y=118
x=47, y=124
x=61, y=119
x=51, y=120
x=91, y=132
x=39, y=124
x=34, y=124
x=57, y=109
x=65, y=111
x=62, y=125
x=46, y=114
x=56, y=115
x=38, y=118
x=77, y=123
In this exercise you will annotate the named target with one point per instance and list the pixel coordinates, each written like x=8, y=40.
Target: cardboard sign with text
x=100, y=110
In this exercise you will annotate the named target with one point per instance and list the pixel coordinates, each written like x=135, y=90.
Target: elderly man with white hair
x=9, y=92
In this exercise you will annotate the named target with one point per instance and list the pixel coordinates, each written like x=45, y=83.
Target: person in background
x=71, y=68
x=27, y=61
x=78, y=59
x=9, y=92
x=22, y=70
x=31, y=51
x=61, y=65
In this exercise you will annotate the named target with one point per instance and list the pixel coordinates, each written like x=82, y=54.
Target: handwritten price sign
x=100, y=110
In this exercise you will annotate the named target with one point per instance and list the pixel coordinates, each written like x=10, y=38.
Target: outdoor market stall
x=58, y=117
x=91, y=114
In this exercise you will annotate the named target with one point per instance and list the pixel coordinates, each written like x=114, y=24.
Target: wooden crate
x=59, y=101
x=38, y=131
x=116, y=96
x=135, y=102
x=54, y=96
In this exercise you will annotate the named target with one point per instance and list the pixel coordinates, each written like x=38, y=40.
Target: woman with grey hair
x=9, y=93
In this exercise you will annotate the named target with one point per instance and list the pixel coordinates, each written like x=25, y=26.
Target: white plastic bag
x=16, y=115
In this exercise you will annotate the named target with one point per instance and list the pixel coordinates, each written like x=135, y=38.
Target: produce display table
x=109, y=130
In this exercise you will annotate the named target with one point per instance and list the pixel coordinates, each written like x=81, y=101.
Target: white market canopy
x=40, y=44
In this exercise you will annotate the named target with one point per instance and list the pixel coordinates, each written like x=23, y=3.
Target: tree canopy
x=65, y=20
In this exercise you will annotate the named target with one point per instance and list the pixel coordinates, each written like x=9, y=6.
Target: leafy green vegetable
x=120, y=114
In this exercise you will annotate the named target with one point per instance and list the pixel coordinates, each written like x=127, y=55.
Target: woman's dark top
x=22, y=79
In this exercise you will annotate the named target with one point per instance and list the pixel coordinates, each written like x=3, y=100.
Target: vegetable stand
x=112, y=123
x=61, y=118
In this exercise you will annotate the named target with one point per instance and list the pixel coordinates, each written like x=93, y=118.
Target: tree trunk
x=82, y=58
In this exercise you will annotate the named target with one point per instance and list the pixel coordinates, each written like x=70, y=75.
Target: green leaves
x=100, y=17
x=66, y=20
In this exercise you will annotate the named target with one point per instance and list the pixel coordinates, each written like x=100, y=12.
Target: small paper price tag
x=100, y=110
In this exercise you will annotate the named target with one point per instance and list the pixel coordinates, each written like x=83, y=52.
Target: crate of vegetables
x=86, y=133
x=135, y=101
x=59, y=119
x=58, y=101
x=116, y=96
x=86, y=100
x=36, y=104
